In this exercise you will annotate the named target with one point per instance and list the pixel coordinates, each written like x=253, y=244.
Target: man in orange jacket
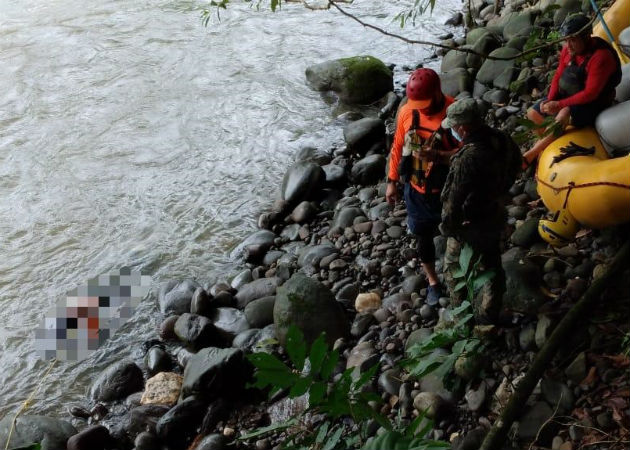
x=419, y=158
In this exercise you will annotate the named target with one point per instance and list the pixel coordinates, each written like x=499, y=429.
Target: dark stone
x=493, y=72
x=558, y=395
x=311, y=256
x=259, y=313
x=229, y=322
x=243, y=278
x=223, y=298
x=312, y=154
x=303, y=212
x=334, y=174
x=348, y=292
x=117, y=381
x=212, y=442
x=144, y=418
x=215, y=372
x=157, y=360
x=94, y=437
x=255, y=246
x=201, y=303
x=361, y=135
x=361, y=324
x=167, y=327
x=53, y=434
x=147, y=441
x=369, y=170
x=263, y=287
x=301, y=181
x=356, y=80
x=413, y=284
x=535, y=423
x=310, y=306
x=390, y=381
x=195, y=331
x=177, y=427
x=345, y=218
x=527, y=234
x=175, y=297
x=456, y=81
x=523, y=281
x=379, y=211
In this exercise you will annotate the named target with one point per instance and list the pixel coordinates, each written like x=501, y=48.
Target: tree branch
x=463, y=50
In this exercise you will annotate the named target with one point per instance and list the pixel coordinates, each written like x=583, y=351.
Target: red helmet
x=423, y=84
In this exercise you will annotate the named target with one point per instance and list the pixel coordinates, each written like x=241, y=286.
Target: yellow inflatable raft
x=617, y=17
x=593, y=191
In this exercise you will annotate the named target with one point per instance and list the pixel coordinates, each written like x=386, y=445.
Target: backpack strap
x=415, y=119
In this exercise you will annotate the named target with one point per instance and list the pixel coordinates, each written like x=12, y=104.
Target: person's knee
x=535, y=116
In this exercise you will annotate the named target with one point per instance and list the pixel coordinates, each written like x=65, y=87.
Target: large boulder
x=52, y=434
x=454, y=59
x=456, y=81
x=195, y=331
x=311, y=256
x=311, y=306
x=175, y=296
x=229, y=322
x=369, y=170
x=518, y=24
x=117, y=381
x=499, y=73
x=362, y=134
x=301, y=181
x=254, y=245
x=523, y=283
x=179, y=424
x=215, y=372
x=359, y=79
x=313, y=154
x=259, y=313
x=263, y=287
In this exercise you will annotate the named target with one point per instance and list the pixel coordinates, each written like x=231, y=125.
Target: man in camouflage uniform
x=473, y=210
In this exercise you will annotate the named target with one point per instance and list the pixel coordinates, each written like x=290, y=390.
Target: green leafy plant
x=311, y=373
x=411, y=437
x=35, y=446
x=422, y=357
x=549, y=125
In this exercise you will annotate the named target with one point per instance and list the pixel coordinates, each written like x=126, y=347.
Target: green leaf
x=460, y=285
x=316, y=393
x=319, y=349
x=296, y=347
x=464, y=257
x=329, y=364
x=268, y=429
x=322, y=432
x=482, y=279
x=300, y=387
x=333, y=440
x=365, y=377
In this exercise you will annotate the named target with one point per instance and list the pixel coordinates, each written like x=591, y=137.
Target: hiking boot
x=434, y=292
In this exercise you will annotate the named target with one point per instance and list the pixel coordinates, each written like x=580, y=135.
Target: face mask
x=456, y=135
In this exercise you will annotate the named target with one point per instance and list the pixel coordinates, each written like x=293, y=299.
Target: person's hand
x=391, y=194
x=564, y=116
x=551, y=107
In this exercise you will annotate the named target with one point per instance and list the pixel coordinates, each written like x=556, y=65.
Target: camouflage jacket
x=480, y=175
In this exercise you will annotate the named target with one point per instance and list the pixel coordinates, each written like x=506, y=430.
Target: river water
x=132, y=135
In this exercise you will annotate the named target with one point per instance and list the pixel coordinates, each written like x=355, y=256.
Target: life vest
x=573, y=77
x=428, y=177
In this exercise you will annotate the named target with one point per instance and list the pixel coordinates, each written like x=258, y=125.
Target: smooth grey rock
x=311, y=256
x=417, y=336
x=201, y=302
x=475, y=398
x=533, y=420
x=245, y=276
x=369, y=170
x=361, y=135
x=195, y=331
x=361, y=324
x=301, y=180
x=303, y=212
x=379, y=211
x=93, y=437
x=291, y=232
x=212, y=442
x=359, y=79
x=263, y=287
x=527, y=234
x=157, y=360
x=432, y=404
x=527, y=337
x=345, y=218
x=229, y=322
x=144, y=418
x=544, y=327
x=492, y=70
x=413, y=284
x=453, y=60
x=456, y=81
x=259, y=313
x=518, y=24
x=334, y=174
x=348, y=292
x=175, y=296
x=362, y=357
x=576, y=371
x=390, y=381
x=523, y=281
x=146, y=441
x=214, y=372
x=254, y=246
x=558, y=395
x=309, y=305
x=117, y=381
x=52, y=434
x=180, y=422
x=313, y=154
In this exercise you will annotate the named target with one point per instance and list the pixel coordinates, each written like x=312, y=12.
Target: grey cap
x=462, y=112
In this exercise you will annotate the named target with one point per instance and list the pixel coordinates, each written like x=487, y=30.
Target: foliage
x=625, y=344
x=408, y=438
x=422, y=357
x=549, y=126
x=35, y=446
x=419, y=7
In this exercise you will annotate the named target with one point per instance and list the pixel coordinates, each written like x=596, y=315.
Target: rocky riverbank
x=331, y=255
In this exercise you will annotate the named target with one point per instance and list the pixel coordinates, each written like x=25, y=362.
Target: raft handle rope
x=28, y=401
x=572, y=185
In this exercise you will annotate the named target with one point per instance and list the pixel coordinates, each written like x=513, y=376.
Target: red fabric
x=598, y=70
x=403, y=124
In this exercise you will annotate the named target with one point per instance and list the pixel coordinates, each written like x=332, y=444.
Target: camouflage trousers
x=487, y=302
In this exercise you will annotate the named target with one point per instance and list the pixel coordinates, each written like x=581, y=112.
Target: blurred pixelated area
x=90, y=314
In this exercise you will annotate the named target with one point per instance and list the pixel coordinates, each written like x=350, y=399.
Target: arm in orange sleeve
x=598, y=70
x=396, y=151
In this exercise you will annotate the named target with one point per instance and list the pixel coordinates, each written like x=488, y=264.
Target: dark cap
x=574, y=23
x=462, y=112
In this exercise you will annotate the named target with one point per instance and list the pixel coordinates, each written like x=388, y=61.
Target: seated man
x=583, y=85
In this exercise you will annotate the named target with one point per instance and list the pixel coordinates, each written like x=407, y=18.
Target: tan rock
x=162, y=389
x=367, y=302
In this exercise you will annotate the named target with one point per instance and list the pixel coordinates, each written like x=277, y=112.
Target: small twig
x=546, y=422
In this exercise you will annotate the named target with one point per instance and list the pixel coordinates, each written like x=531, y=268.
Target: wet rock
x=476, y=398
x=379, y=211
x=313, y=154
x=498, y=73
x=413, y=284
x=576, y=287
x=157, y=360
x=167, y=327
x=94, y=437
x=544, y=327
x=456, y=81
x=576, y=371
x=455, y=20
x=303, y=212
x=214, y=372
x=263, y=287
x=362, y=357
x=345, y=218
x=523, y=282
x=468, y=365
x=397, y=302
x=146, y=441
x=369, y=170
x=312, y=307
x=195, y=331
x=367, y=302
x=432, y=404
x=527, y=337
x=471, y=441
x=312, y=256
x=229, y=322
x=301, y=181
x=259, y=313
x=453, y=59
x=334, y=174
x=558, y=395
x=212, y=442
x=254, y=246
x=362, y=134
x=359, y=79
x=361, y=324
x=162, y=389
x=390, y=381
x=518, y=24
x=245, y=276
x=499, y=96
x=117, y=381
x=291, y=232
x=178, y=425
x=175, y=296
x=144, y=418
x=51, y=433
x=349, y=292
x=201, y=302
